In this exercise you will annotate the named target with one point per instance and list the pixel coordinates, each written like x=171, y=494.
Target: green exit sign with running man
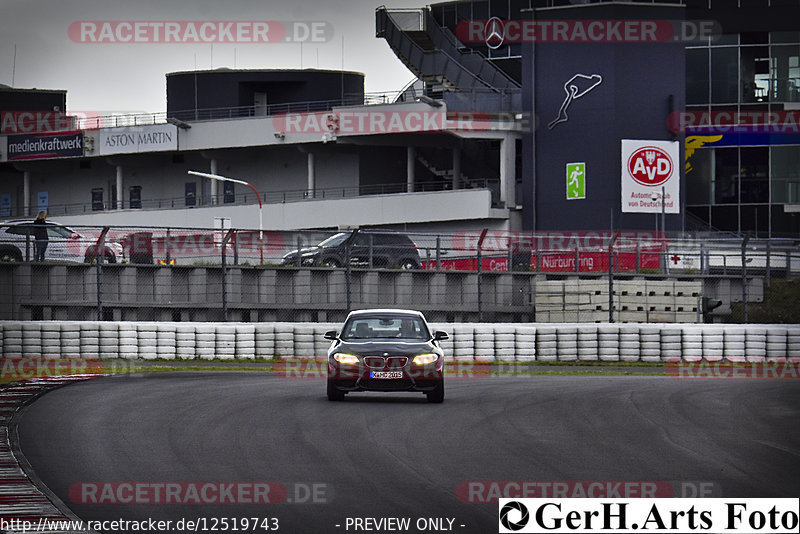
x=576, y=181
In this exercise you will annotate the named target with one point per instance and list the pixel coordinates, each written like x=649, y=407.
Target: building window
x=135, y=201
x=755, y=73
x=724, y=75
x=190, y=194
x=785, y=174
x=97, y=199
x=754, y=174
x=725, y=183
x=228, y=193
x=785, y=73
x=697, y=76
x=698, y=177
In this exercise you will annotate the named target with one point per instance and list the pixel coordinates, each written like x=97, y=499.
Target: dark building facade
x=746, y=178
x=733, y=178
x=215, y=94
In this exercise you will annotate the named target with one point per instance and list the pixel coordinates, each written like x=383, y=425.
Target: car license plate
x=386, y=374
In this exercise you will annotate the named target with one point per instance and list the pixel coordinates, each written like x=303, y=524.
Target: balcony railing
x=232, y=112
x=268, y=197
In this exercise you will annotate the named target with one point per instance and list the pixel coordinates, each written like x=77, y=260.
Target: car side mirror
x=439, y=335
x=331, y=334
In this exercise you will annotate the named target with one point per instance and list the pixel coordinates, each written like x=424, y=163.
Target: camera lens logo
x=518, y=507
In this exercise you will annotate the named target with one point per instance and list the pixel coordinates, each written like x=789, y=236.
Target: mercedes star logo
x=494, y=33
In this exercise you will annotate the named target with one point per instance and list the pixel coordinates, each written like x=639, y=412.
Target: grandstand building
x=518, y=120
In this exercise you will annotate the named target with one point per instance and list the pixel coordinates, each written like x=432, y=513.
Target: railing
x=476, y=62
x=232, y=112
x=426, y=62
x=273, y=197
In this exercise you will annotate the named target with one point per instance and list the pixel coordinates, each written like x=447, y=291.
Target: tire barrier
x=525, y=343
x=480, y=342
x=484, y=343
x=567, y=343
x=588, y=344
x=547, y=343
x=245, y=341
x=733, y=344
x=649, y=344
x=463, y=342
x=505, y=346
x=608, y=343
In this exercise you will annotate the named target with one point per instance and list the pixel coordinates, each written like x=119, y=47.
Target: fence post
x=744, y=278
x=225, y=275
x=348, y=270
x=299, y=251
x=480, y=262
x=99, y=254
x=769, y=273
x=168, y=251
x=611, y=278
x=510, y=256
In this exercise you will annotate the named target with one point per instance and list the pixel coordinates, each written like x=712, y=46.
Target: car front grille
x=386, y=362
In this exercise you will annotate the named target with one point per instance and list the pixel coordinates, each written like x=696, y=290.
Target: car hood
x=381, y=346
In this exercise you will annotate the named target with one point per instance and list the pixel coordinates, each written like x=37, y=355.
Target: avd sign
x=648, y=167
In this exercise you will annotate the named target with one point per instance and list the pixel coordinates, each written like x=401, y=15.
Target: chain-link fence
x=218, y=274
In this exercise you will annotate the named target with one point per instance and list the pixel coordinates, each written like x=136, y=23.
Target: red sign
x=650, y=166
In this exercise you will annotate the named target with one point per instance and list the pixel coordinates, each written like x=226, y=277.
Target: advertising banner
x=132, y=139
x=648, y=167
x=45, y=145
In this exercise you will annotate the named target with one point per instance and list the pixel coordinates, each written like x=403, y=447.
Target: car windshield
x=334, y=240
x=385, y=327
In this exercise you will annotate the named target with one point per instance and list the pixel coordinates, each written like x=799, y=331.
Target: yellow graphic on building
x=693, y=142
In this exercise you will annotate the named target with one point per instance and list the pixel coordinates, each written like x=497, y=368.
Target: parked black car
x=379, y=249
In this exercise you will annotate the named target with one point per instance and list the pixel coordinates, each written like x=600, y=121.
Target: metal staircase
x=434, y=55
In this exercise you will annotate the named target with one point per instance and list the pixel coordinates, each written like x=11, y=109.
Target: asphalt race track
x=395, y=455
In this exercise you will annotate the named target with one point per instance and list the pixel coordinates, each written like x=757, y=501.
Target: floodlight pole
x=260, y=206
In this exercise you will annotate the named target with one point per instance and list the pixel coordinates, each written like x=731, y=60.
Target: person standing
x=40, y=236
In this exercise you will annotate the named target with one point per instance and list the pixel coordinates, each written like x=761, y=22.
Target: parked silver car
x=64, y=243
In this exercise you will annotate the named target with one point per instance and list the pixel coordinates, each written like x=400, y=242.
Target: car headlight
x=346, y=359
x=424, y=359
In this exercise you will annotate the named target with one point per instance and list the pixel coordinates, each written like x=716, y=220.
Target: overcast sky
x=122, y=77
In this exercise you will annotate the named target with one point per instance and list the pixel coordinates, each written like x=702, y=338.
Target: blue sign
x=44, y=201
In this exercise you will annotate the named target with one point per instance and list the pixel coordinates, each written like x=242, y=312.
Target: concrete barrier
x=484, y=342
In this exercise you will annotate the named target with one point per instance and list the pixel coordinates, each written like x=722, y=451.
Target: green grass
x=264, y=365
x=779, y=305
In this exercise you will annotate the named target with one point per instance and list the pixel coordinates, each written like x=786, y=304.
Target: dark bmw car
x=386, y=350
